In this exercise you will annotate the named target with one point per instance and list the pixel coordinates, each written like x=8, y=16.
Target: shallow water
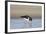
x=20, y=23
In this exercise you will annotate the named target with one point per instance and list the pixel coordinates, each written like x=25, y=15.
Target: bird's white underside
x=27, y=20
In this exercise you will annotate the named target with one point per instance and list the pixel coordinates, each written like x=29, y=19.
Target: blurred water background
x=19, y=23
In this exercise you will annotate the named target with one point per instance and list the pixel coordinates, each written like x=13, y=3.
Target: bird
x=27, y=19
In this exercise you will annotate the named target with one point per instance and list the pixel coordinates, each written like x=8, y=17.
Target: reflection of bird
x=27, y=19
